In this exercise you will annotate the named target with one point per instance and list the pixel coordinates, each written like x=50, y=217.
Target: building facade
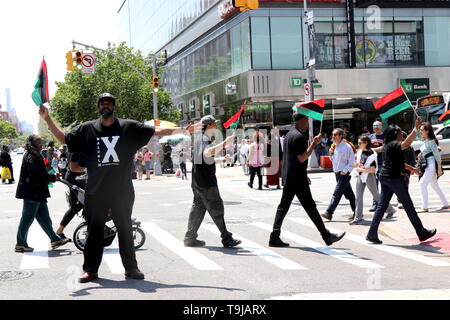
x=220, y=58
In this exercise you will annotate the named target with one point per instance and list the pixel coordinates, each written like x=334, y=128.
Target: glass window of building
x=437, y=41
x=324, y=43
x=286, y=42
x=359, y=42
x=379, y=44
x=260, y=33
x=207, y=104
x=192, y=108
x=409, y=46
x=340, y=43
x=240, y=47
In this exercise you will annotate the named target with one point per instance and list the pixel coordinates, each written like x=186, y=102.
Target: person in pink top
x=147, y=160
x=256, y=159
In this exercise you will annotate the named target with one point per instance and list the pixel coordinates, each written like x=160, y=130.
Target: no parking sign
x=88, y=63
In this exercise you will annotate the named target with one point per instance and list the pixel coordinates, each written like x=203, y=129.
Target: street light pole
x=155, y=95
x=157, y=171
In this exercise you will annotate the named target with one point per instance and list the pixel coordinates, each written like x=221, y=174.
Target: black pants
x=206, y=199
x=303, y=193
x=75, y=207
x=96, y=210
x=389, y=186
x=256, y=171
x=183, y=169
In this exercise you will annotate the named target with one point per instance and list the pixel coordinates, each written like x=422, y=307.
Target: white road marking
x=166, y=204
x=338, y=254
x=260, y=251
x=37, y=239
x=191, y=256
x=381, y=247
x=112, y=258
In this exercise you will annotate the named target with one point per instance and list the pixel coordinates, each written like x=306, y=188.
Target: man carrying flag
x=393, y=103
x=445, y=118
x=40, y=94
x=296, y=181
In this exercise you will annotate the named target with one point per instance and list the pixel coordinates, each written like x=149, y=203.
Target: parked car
x=443, y=135
x=19, y=151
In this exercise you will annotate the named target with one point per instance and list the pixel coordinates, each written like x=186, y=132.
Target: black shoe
x=278, y=187
x=250, y=185
x=87, y=277
x=275, y=241
x=266, y=186
x=135, y=274
x=260, y=188
x=373, y=209
x=62, y=236
x=374, y=240
x=194, y=243
x=230, y=242
x=327, y=216
x=427, y=234
x=332, y=238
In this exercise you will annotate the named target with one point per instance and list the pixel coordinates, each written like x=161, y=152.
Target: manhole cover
x=14, y=275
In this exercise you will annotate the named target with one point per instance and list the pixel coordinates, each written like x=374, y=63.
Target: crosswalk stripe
x=260, y=251
x=191, y=256
x=38, y=259
x=338, y=254
x=381, y=247
x=112, y=258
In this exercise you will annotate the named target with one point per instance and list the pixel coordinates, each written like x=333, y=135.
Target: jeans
x=303, y=193
x=183, y=169
x=96, y=211
x=206, y=199
x=371, y=184
x=343, y=188
x=430, y=178
x=39, y=210
x=256, y=171
x=389, y=186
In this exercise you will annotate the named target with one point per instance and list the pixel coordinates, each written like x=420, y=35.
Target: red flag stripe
x=234, y=118
x=388, y=98
x=447, y=113
x=320, y=103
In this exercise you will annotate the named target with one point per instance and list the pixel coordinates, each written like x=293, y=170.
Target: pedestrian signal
x=155, y=81
x=244, y=5
x=69, y=61
x=78, y=59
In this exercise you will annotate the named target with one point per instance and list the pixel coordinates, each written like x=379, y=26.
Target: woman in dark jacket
x=33, y=189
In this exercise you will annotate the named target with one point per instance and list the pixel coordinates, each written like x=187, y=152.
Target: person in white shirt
x=243, y=156
x=343, y=158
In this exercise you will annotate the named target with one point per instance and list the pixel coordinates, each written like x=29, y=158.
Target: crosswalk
x=283, y=259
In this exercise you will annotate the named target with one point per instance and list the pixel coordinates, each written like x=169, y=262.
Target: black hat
x=298, y=116
x=108, y=96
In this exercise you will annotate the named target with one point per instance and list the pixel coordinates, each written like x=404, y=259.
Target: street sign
x=88, y=63
x=307, y=92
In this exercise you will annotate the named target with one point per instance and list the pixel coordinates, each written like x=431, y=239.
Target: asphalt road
x=308, y=269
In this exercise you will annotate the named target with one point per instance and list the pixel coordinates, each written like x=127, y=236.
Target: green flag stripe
x=446, y=123
x=399, y=108
x=309, y=113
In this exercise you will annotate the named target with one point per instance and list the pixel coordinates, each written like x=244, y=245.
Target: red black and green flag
x=233, y=122
x=40, y=94
x=445, y=118
x=393, y=103
x=313, y=109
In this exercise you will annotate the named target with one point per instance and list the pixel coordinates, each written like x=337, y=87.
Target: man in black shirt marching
x=108, y=145
x=296, y=182
x=204, y=186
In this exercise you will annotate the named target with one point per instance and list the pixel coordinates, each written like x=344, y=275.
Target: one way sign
x=88, y=63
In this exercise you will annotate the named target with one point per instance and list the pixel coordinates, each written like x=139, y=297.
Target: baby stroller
x=81, y=232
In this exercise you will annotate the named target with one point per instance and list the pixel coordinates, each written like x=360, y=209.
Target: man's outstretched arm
x=57, y=132
x=162, y=132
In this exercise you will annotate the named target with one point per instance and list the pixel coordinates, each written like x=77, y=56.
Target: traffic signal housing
x=69, y=61
x=78, y=59
x=155, y=81
x=245, y=5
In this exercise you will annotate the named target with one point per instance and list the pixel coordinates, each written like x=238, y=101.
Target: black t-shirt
x=109, y=152
x=203, y=169
x=293, y=171
x=364, y=156
x=377, y=141
x=393, y=160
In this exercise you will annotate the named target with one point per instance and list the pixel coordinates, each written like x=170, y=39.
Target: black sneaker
x=194, y=243
x=62, y=236
x=230, y=242
x=275, y=241
x=135, y=274
x=373, y=209
x=250, y=185
x=427, y=234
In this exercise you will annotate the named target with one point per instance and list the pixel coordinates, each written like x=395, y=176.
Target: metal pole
x=157, y=170
x=155, y=95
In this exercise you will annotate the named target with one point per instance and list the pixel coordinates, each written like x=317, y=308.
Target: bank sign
x=416, y=88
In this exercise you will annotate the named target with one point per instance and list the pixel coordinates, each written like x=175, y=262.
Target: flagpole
x=410, y=103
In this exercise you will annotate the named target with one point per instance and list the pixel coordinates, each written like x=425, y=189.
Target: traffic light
x=155, y=80
x=69, y=61
x=244, y=5
x=78, y=59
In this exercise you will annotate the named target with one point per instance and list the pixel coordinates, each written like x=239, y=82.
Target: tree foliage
x=75, y=100
x=7, y=130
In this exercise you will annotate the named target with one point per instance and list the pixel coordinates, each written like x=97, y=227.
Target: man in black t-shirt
x=108, y=145
x=296, y=182
x=204, y=186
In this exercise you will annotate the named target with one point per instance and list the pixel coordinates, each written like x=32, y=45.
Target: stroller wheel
x=80, y=236
x=138, y=237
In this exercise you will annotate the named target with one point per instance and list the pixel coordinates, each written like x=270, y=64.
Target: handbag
x=6, y=174
x=422, y=163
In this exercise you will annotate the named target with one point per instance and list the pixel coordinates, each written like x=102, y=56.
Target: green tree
x=7, y=130
x=76, y=98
